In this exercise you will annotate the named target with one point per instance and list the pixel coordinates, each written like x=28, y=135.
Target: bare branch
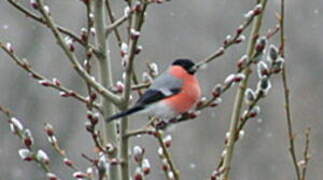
x=65, y=92
x=112, y=19
x=42, y=21
x=306, y=154
x=240, y=95
x=232, y=40
x=71, y=56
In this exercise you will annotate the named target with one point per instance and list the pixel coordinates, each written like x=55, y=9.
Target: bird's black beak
x=192, y=70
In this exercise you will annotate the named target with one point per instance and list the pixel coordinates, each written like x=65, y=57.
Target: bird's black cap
x=187, y=64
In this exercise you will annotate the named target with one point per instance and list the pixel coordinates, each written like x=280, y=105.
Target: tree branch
x=110, y=134
x=59, y=28
x=240, y=95
x=71, y=56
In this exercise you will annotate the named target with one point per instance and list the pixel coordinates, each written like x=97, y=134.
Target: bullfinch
x=172, y=93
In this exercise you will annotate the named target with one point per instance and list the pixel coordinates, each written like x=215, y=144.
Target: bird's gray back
x=166, y=82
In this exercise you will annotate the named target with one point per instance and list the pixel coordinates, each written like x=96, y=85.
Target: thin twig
x=112, y=20
x=46, y=82
x=286, y=93
x=63, y=30
x=106, y=79
x=137, y=19
x=72, y=57
x=228, y=43
x=116, y=24
x=240, y=95
x=306, y=153
x=43, y=164
x=167, y=155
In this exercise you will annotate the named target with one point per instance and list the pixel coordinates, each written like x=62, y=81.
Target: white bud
x=301, y=163
x=258, y=7
x=229, y=79
x=68, y=40
x=160, y=152
x=28, y=138
x=263, y=86
x=56, y=82
x=171, y=175
x=124, y=48
x=228, y=37
x=227, y=135
x=126, y=11
x=224, y=153
x=249, y=14
x=51, y=176
x=154, y=69
x=278, y=65
x=102, y=164
x=119, y=87
x=9, y=47
x=134, y=33
x=89, y=171
x=254, y=111
x=79, y=175
x=25, y=154
x=15, y=125
x=273, y=53
x=138, y=173
x=241, y=38
x=261, y=44
x=241, y=134
x=92, y=31
x=42, y=156
x=83, y=30
x=52, y=139
x=167, y=140
x=46, y=9
x=239, y=77
x=124, y=61
x=146, y=166
x=262, y=70
x=243, y=61
x=250, y=96
x=138, y=153
x=91, y=16
x=34, y=4
x=217, y=90
x=145, y=163
x=44, y=82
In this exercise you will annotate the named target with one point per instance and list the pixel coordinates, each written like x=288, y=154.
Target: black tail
x=125, y=113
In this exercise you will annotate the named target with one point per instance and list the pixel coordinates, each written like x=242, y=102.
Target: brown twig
x=167, y=155
x=286, y=93
x=137, y=19
x=240, y=95
x=306, y=154
x=112, y=20
x=229, y=42
x=34, y=155
x=72, y=57
x=24, y=64
x=63, y=30
x=115, y=24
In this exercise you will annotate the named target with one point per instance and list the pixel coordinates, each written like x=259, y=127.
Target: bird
x=175, y=91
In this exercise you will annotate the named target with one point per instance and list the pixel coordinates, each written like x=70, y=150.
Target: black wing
x=154, y=95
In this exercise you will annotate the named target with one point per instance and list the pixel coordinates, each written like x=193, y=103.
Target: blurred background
x=175, y=29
